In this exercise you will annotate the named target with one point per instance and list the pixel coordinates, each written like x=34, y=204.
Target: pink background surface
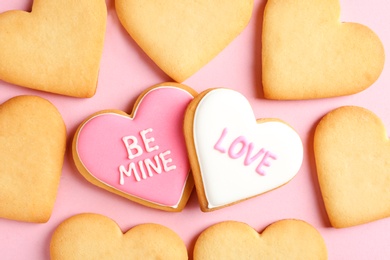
x=126, y=71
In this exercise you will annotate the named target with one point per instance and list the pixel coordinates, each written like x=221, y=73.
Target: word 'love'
x=240, y=147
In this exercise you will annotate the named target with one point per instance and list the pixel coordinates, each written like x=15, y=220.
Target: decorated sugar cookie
x=182, y=37
x=93, y=236
x=352, y=153
x=141, y=156
x=234, y=156
x=284, y=239
x=307, y=52
x=55, y=48
x=32, y=148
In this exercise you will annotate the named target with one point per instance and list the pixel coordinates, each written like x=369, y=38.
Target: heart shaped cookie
x=141, y=156
x=284, y=239
x=183, y=36
x=233, y=156
x=352, y=153
x=32, y=147
x=55, y=48
x=308, y=53
x=93, y=236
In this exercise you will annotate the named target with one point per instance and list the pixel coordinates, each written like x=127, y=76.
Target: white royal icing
x=238, y=157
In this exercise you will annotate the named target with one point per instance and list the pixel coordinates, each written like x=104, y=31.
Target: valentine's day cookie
x=32, y=147
x=182, y=37
x=55, y=48
x=352, y=154
x=141, y=156
x=284, y=239
x=233, y=156
x=308, y=53
x=93, y=236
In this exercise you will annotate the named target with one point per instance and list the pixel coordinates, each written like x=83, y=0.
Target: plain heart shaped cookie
x=284, y=239
x=32, y=147
x=183, y=36
x=93, y=236
x=233, y=156
x=141, y=156
x=308, y=53
x=55, y=48
x=352, y=153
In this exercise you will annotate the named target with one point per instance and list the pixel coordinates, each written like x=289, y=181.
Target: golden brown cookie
x=182, y=36
x=32, y=147
x=308, y=53
x=55, y=48
x=93, y=236
x=352, y=153
x=285, y=239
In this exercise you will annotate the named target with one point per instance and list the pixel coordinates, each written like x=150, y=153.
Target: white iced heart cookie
x=233, y=156
x=283, y=239
x=352, y=153
x=57, y=47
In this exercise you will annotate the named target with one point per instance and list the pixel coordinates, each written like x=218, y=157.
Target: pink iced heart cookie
x=234, y=156
x=141, y=156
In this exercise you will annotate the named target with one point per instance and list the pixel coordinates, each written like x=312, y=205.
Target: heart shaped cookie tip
x=308, y=53
x=352, y=149
x=284, y=239
x=32, y=148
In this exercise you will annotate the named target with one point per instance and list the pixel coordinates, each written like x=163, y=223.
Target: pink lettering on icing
x=146, y=167
x=240, y=147
x=233, y=153
x=248, y=159
x=265, y=162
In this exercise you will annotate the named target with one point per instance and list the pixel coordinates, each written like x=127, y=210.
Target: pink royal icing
x=143, y=156
x=246, y=148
